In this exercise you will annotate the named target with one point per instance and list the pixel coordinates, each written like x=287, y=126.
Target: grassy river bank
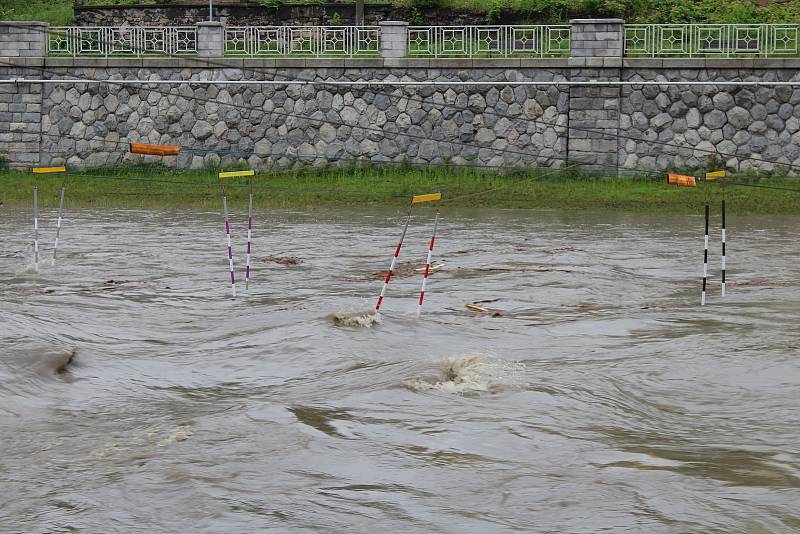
x=162, y=187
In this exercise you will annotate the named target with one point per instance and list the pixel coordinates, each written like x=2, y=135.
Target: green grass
x=56, y=12
x=161, y=187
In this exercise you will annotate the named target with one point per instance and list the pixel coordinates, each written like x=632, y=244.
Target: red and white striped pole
x=394, y=262
x=228, y=239
x=428, y=265
x=249, y=242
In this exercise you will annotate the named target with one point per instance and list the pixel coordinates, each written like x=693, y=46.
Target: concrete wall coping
x=489, y=63
x=210, y=23
x=597, y=21
x=393, y=23
x=22, y=23
x=230, y=62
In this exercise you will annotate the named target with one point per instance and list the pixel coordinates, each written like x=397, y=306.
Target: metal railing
x=310, y=41
x=489, y=41
x=122, y=41
x=711, y=40
x=641, y=40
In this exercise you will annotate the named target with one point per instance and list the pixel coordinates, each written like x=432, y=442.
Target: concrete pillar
x=23, y=39
x=394, y=39
x=596, y=42
x=359, y=12
x=210, y=39
x=594, y=111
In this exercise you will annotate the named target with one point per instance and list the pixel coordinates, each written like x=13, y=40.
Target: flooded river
x=587, y=391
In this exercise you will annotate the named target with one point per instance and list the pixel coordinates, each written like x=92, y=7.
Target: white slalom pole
x=228, y=239
x=249, y=241
x=35, y=230
x=705, y=262
x=428, y=265
x=724, y=257
x=58, y=225
x=394, y=261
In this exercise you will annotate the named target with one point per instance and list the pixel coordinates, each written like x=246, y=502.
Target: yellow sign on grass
x=426, y=198
x=235, y=174
x=714, y=175
x=43, y=170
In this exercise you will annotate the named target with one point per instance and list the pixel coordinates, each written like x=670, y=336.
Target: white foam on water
x=363, y=319
x=468, y=373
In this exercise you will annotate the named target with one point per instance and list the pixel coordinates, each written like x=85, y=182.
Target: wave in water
x=364, y=319
x=468, y=373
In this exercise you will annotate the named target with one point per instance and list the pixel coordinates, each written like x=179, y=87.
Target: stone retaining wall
x=725, y=124
x=495, y=127
x=502, y=125
x=642, y=128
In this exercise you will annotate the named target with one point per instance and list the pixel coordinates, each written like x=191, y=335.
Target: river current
x=585, y=389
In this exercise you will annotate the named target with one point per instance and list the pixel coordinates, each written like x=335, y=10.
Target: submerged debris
x=758, y=282
x=286, y=261
x=559, y=250
x=477, y=308
x=515, y=269
x=406, y=270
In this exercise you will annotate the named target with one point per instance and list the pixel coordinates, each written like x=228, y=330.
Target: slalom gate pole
x=724, y=257
x=705, y=261
x=249, y=238
x=428, y=264
x=35, y=230
x=394, y=260
x=58, y=224
x=228, y=239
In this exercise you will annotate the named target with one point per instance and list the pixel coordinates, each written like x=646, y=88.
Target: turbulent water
x=585, y=391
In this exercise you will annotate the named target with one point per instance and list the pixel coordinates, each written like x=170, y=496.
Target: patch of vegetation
x=633, y=11
x=56, y=12
x=60, y=12
x=159, y=186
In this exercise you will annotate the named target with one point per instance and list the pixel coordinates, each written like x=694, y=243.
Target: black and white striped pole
x=705, y=261
x=724, y=259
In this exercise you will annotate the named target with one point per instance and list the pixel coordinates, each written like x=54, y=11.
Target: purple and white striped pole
x=228, y=239
x=35, y=230
x=58, y=224
x=724, y=257
x=249, y=242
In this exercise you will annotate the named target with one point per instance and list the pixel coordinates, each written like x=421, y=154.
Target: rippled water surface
x=594, y=395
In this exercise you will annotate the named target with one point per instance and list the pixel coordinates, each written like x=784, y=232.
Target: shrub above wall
x=435, y=12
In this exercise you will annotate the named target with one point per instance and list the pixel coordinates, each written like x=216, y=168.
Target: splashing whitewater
x=468, y=373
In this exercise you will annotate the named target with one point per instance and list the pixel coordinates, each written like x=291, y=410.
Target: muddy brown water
x=602, y=399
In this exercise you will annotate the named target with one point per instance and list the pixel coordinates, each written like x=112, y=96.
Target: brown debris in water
x=286, y=261
x=111, y=284
x=407, y=270
x=758, y=282
x=559, y=250
x=580, y=306
x=516, y=269
x=477, y=308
